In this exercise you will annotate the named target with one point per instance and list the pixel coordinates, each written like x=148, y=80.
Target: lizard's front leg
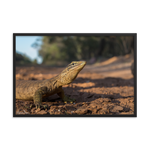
x=64, y=97
x=37, y=98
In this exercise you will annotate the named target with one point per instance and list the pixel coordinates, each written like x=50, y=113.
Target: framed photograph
x=74, y=75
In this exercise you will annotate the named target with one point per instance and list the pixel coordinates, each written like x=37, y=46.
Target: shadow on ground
x=106, y=82
x=89, y=90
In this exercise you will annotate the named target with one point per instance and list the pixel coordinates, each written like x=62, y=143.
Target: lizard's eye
x=72, y=63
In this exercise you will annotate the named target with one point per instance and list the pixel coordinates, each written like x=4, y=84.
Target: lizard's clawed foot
x=39, y=106
x=67, y=99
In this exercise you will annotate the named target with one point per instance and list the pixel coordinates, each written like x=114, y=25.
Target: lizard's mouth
x=83, y=63
x=71, y=72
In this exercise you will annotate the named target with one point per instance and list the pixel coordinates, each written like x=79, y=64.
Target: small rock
x=126, y=109
x=117, y=108
x=99, y=106
x=26, y=112
x=54, y=107
x=105, y=103
x=81, y=111
x=33, y=110
x=42, y=112
x=131, y=105
x=37, y=110
x=93, y=105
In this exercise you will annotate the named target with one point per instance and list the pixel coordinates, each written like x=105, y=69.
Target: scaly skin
x=37, y=90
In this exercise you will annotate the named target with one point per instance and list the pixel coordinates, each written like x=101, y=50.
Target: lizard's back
x=25, y=89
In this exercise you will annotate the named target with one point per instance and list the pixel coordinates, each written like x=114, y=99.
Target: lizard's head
x=71, y=72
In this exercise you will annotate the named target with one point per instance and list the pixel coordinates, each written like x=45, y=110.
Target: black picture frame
x=15, y=33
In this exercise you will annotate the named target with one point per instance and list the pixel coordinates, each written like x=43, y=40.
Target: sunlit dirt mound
x=113, y=60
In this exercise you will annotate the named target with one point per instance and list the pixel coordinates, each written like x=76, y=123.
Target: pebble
x=117, y=108
x=42, y=112
x=37, y=110
x=81, y=111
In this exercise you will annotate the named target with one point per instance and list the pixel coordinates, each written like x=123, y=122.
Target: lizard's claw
x=41, y=106
x=45, y=106
x=67, y=99
x=31, y=106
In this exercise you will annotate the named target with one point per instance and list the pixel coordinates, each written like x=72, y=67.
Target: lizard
x=36, y=90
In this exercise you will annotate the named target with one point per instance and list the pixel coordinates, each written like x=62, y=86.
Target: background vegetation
x=61, y=50
x=22, y=59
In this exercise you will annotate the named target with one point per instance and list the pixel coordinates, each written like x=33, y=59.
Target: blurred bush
x=22, y=59
x=56, y=50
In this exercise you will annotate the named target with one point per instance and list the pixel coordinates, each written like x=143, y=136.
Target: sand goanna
x=37, y=90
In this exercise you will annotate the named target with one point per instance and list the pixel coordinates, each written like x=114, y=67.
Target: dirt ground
x=101, y=88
